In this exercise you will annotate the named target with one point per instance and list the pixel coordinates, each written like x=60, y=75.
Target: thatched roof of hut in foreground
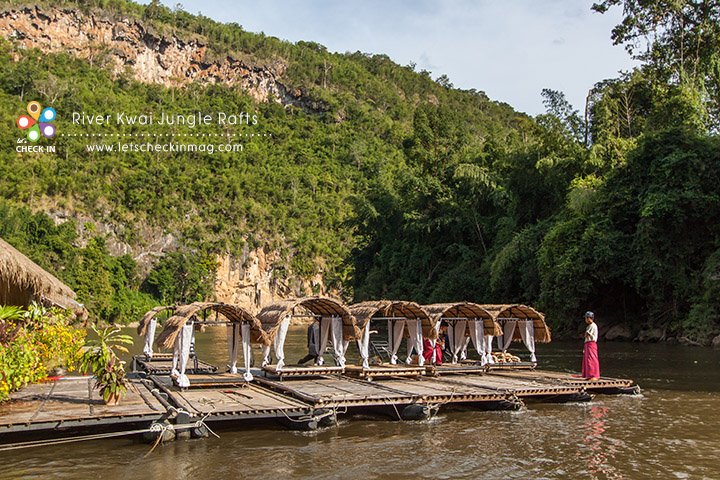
x=149, y=315
x=22, y=281
x=273, y=314
x=468, y=310
x=521, y=312
x=364, y=311
x=232, y=313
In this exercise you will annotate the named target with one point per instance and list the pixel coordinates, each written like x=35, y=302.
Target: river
x=672, y=430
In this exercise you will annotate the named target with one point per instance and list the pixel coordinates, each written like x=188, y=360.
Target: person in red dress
x=590, y=363
x=428, y=349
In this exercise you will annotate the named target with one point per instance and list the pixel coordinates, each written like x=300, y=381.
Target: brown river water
x=672, y=430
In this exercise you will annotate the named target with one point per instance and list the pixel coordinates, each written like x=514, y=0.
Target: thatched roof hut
x=272, y=315
x=233, y=314
x=385, y=309
x=23, y=281
x=464, y=310
x=149, y=315
x=502, y=313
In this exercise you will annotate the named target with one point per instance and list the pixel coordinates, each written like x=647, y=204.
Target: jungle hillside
x=385, y=181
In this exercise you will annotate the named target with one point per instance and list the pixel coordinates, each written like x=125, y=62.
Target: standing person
x=590, y=364
x=313, y=332
x=434, y=355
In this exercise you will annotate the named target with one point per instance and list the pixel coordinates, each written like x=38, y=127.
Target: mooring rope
x=101, y=436
x=160, y=436
x=59, y=441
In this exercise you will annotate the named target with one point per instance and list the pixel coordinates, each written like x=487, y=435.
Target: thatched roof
x=149, y=315
x=468, y=310
x=273, y=314
x=364, y=311
x=521, y=312
x=233, y=313
x=22, y=280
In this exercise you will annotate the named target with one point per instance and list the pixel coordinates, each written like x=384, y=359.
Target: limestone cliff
x=119, y=43
x=252, y=281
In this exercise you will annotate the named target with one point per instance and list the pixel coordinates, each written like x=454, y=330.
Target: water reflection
x=597, y=450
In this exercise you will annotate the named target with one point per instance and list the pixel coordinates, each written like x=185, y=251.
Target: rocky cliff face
x=251, y=281
x=119, y=43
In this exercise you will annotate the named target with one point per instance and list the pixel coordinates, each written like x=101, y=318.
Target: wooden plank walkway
x=73, y=402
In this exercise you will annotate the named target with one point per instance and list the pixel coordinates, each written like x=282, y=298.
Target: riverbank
x=620, y=332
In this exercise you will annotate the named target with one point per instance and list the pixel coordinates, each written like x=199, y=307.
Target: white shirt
x=591, y=333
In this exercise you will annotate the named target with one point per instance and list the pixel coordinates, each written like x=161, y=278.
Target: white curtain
x=456, y=338
x=181, y=354
x=150, y=338
x=415, y=341
x=477, y=335
x=325, y=334
x=527, y=332
x=395, y=332
x=279, y=342
x=488, y=349
x=508, y=331
x=463, y=352
x=247, y=351
x=363, y=345
x=339, y=346
x=233, y=338
x=266, y=355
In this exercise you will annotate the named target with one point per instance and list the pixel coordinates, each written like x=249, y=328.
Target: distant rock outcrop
x=252, y=281
x=119, y=43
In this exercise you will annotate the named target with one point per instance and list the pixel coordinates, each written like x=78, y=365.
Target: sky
x=510, y=49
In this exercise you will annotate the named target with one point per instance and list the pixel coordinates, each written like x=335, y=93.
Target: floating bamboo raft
x=72, y=404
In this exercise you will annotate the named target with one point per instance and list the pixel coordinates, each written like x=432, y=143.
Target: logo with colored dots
x=38, y=123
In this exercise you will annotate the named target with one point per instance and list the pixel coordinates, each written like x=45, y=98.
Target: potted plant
x=102, y=360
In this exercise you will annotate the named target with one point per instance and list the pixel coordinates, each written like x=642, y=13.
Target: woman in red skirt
x=590, y=364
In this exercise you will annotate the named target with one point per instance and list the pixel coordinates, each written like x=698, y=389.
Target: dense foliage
x=34, y=342
x=396, y=185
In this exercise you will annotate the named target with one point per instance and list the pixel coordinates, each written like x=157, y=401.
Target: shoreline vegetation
x=384, y=181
